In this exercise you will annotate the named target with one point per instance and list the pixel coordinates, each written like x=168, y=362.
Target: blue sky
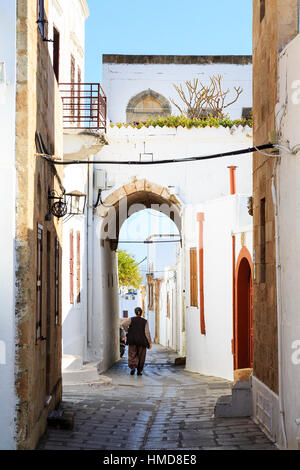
x=197, y=27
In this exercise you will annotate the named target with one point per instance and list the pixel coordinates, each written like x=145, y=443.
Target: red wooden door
x=251, y=320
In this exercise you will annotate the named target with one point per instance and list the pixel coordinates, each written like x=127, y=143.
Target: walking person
x=138, y=340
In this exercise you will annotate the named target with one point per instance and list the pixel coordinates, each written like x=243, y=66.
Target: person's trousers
x=136, y=357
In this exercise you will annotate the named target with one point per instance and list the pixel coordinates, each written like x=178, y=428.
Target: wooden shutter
x=57, y=277
x=78, y=268
x=71, y=267
x=39, y=279
x=79, y=94
x=168, y=306
x=200, y=218
x=193, y=278
x=72, y=88
x=41, y=16
x=56, y=48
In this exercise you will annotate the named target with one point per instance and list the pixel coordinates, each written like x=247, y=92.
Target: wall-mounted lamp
x=76, y=203
x=72, y=203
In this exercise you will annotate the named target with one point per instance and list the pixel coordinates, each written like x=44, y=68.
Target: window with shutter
x=39, y=287
x=56, y=48
x=78, y=268
x=200, y=218
x=79, y=93
x=193, y=278
x=57, y=258
x=71, y=267
x=263, y=240
x=41, y=19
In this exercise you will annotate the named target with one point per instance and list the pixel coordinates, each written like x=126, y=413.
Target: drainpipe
x=90, y=253
x=279, y=313
x=232, y=179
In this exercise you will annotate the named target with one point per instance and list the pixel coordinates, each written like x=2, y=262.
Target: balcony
x=84, y=106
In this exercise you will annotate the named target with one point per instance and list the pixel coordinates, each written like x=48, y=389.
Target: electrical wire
x=148, y=242
x=161, y=162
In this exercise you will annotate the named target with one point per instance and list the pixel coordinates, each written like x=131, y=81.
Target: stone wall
x=38, y=368
x=271, y=32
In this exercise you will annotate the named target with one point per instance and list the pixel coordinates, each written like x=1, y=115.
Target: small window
x=262, y=9
x=193, y=278
x=41, y=16
x=125, y=313
x=71, y=262
x=247, y=113
x=78, y=269
x=39, y=280
x=57, y=277
x=263, y=240
x=56, y=48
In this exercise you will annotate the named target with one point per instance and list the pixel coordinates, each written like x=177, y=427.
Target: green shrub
x=182, y=121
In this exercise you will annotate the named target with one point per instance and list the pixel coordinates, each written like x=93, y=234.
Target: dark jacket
x=136, y=332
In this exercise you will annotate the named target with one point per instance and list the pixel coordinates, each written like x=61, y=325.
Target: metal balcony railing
x=84, y=106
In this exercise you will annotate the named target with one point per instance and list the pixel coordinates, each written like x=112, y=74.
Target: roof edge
x=176, y=59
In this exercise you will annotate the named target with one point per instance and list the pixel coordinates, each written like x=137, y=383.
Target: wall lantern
x=76, y=203
x=60, y=205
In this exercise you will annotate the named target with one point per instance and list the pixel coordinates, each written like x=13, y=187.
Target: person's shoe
x=139, y=373
x=132, y=372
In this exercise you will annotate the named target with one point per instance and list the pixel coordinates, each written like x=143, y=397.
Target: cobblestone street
x=167, y=408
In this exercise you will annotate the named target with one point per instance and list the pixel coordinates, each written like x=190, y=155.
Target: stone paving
x=167, y=408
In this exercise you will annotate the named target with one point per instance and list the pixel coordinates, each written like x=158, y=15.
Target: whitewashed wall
x=288, y=184
x=211, y=353
x=121, y=82
x=199, y=185
x=74, y=316
x=8, y=190
x=69, y=19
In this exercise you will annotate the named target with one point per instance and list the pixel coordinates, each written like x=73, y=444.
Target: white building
x=163, y=314
x=279, y=414
x=182, y=191
x=128, y=78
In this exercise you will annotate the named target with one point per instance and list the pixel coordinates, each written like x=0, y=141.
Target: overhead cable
x=161, y=162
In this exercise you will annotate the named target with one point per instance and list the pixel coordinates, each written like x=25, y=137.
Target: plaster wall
x=204, y=351
x=8, y=398
x=288, y=181
x=197, y=185
x=160, y=78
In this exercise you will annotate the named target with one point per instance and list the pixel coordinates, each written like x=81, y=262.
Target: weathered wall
x=38, y=369
x=8, y=198
x=288, y=172
x=269, y=35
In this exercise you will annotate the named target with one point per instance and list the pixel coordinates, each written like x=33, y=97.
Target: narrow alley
x=167, y=408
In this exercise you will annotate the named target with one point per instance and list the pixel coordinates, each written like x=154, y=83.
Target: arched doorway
x=243, y=322
x=111, y=214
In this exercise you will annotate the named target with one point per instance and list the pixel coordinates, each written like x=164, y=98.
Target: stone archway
x=116, y=208
x=147, y=104
x=134, y=197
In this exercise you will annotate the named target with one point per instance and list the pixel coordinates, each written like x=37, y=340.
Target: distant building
x=149, y=83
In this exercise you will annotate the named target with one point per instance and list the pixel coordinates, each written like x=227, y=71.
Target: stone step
x=237, y=405
x=88, y=374
x=70, y=362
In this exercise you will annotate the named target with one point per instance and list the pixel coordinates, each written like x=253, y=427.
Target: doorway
x=244, y=313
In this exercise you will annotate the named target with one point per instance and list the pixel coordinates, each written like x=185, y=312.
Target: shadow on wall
x=38, y=303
